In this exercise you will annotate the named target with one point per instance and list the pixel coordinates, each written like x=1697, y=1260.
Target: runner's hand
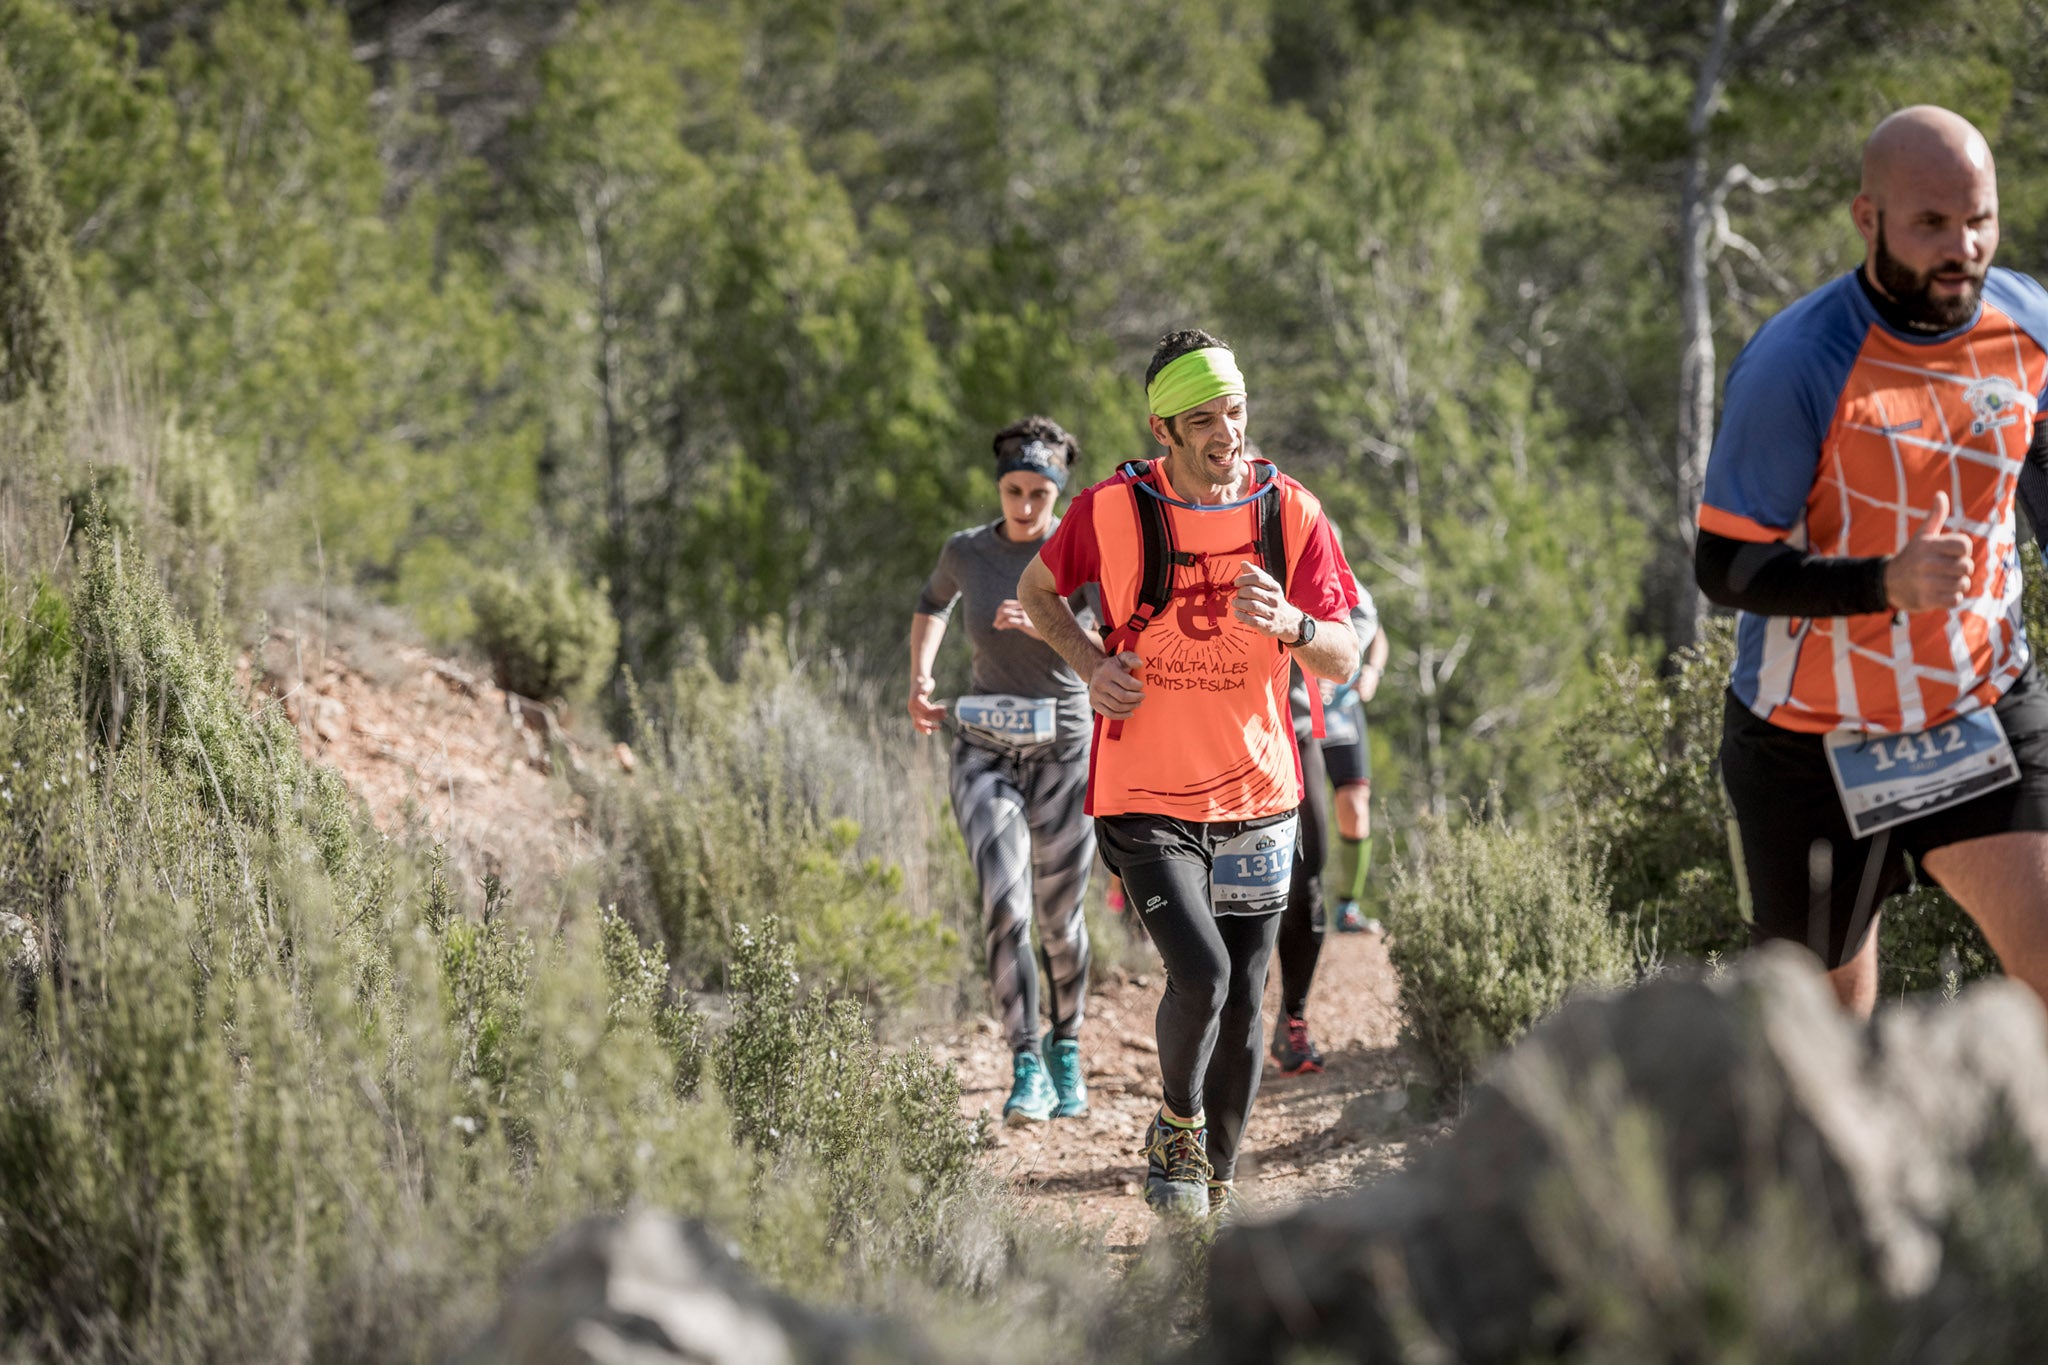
x=1933, y=571
x=925, y=713
x=1011, y=616
x=1114, y=689
x=1260, y=604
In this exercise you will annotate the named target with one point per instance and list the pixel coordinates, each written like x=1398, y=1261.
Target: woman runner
x=1020, y=768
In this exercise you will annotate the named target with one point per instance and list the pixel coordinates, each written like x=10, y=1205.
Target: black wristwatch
x=1307, y=633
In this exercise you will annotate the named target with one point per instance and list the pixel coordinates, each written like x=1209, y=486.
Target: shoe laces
x=1065, y=1065
x=1180, y=1151
x=1297, y=1036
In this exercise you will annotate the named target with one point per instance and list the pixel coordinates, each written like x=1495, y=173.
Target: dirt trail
x=1086, y=1170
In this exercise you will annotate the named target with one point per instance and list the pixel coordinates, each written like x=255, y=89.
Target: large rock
x=1688, y=1108
x=649, y=1289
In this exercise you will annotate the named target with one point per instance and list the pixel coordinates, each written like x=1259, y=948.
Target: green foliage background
x=717, y=303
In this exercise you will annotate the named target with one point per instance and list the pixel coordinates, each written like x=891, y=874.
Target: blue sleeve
x=2022, y=299
x=1782, y=393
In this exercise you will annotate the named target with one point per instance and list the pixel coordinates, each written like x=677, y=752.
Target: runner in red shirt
x=1194, y=776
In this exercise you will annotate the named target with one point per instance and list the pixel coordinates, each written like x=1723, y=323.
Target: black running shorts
x=1806, y=877
x=1349, y=765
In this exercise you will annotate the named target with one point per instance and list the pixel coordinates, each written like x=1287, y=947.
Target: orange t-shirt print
x=1213, y=739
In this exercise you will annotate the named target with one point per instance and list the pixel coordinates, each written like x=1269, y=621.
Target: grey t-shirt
x=983, y=568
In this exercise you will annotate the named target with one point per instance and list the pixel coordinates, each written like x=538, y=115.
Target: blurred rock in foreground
x=646, y=1288
x=1684, y=1167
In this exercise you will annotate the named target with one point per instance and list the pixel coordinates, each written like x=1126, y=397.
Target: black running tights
x=1210, y=1033
x=1301, y=923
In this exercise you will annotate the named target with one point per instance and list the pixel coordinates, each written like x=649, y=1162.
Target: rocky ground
x=1301, y=1141
x=430, y=741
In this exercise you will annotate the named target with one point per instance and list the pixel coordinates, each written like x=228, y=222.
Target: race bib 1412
x=1885, y=780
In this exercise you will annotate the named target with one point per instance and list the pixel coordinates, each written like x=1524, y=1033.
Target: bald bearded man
x=1858, y=512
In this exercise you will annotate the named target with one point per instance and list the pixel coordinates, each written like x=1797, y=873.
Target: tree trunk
x=1426, y=656
x=612, y=436
x=1696, y=340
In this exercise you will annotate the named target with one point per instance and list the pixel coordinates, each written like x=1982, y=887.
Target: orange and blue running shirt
x=1836, y=434
x=1212, y=740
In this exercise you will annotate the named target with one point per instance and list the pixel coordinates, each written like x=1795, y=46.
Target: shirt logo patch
x=1997, y=402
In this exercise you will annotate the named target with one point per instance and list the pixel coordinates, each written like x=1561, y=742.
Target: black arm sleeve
x=1777, y=579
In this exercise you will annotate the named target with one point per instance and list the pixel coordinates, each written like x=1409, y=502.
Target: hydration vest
x=1159, y=559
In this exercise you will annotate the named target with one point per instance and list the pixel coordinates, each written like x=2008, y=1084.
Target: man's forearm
x=1333, y=654
x=1056, y=623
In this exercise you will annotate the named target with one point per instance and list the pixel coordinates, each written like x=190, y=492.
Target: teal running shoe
x=1177, y=1169
x=1063, y=1060
x=1032, y=1098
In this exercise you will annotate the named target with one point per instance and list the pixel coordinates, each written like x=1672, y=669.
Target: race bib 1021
x=1014, y=723
x=1885, y=780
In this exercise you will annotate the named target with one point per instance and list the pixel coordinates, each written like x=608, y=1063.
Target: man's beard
x=1913, y=292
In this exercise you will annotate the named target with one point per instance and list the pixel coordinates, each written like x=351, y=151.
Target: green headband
x=1190, y=380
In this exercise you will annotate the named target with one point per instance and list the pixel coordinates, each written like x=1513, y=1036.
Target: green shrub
x=1497, y=926
x=547, y=636
x=38, y=298
x=1645, y=780
x=758, y=798
x=802, y=1072
x=35, y=634
x=277, y=1094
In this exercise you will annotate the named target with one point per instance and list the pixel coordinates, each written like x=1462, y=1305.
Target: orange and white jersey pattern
x=1836, y=434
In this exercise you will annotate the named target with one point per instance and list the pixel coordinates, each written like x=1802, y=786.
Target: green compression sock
x=1354, y=861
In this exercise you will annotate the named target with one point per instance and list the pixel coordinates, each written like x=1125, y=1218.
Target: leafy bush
x=276, y=1094
x=759, y=798
x=38, y=298
x=1645, y=780
x=547, y=636
x=1497, y=926
x=804, y=1074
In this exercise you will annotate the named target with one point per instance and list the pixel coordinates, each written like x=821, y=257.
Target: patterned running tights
x=1032, y=848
